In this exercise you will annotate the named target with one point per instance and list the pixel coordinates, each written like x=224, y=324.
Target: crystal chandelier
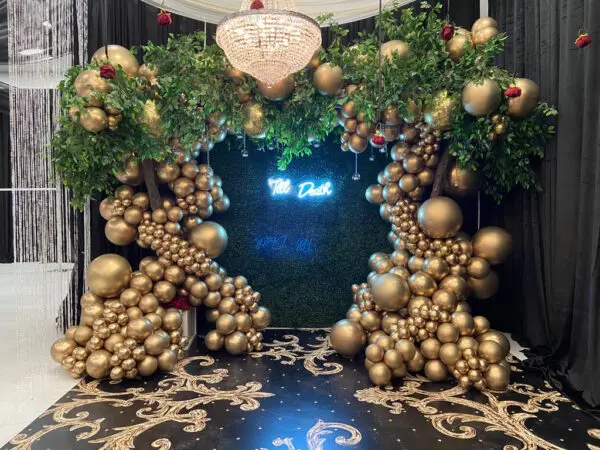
x=269, y=43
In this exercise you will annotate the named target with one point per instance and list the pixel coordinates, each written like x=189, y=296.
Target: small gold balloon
x=493, y=244
x=463, y=307
x=467, y=342
x=415, y=263
x=147, y=366
x=183, y=186
x=450, y=354
x=430, y=348
x=141, y=283
x=107, y=208
x=172, y=320
x=392, y=193
x=481, y=99
x=457, y=285
x=478, y=268
x=438, y=114
x=499, y=338
x=357, y=144
x=436, y=268
x=119, y=232
x=463, y=321
x=164, y=291
x=482, y=35
x=261, y=318
x=390, y=292
x=393, y=359
x=62, y=348
x=97, y=364
x=157, y=342
x=108, y=275
x=459, y=44
x=139, y=329
x=491, y=351
x=461, y=182
x=416, y=363
x=406, y=348
x=380, y=374
x=83, y=334
x=167, y=360
x=440, y=217
x=485, y=287
x=482, y=325
x=226, y=324
x=408, y=182
x=132, y=173
x=374, y=353
x=175, y=275
x=422, y=284
x=400, y=48
x=370, y=320
x=497, y=377
x=112, y=341
x=91, y=86
x=243, y=322
x=210, y=237
x=168, y=172
x=328, y=79
x=448, y=333
x=133, y=215
x=280, y=90
x=93, y=119
x=522, y=106
x=436, y=370
x=347, y=338
x=425, y=177
x=484, y=22
x=445, y=299
x=236, y=343
x=214, y=341
x=134, y=312
x=117, y=56
x=374, y=194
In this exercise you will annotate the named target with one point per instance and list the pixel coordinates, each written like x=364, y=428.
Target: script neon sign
x=283, y=186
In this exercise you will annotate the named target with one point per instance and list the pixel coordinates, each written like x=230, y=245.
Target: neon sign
x=283, y=186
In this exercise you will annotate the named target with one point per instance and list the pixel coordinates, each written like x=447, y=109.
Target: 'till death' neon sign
x=283, y=186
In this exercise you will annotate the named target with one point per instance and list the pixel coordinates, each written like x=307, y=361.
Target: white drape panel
x=213, y=11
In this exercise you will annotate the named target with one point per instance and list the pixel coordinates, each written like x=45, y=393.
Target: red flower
x=179, y=302
x=447, y=32
x=108, y=72
x=257, y=4
x=513, y=92
x=583, y=40
x=378, y=140
x=164, y=18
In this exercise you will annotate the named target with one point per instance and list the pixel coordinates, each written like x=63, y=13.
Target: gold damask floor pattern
x=298, y=394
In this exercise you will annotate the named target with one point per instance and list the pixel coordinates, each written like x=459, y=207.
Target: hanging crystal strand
x=372, y=155
x=244, y=149
x=356, y=175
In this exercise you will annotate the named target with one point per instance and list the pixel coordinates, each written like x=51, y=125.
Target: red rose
x=108, y=72
x=513, y=92
x=378, y=140
x=583, y=40
x=447, y=32
x=164, y=18
x=179, y=302
x=257, y=4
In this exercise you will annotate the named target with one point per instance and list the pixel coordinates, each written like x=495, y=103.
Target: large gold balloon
x=210, y=237
x=347, y=338
x=497, y=377
x=374, y=194
x=481, y=99
x=139, y=329
x=62, y=348
x=93, y=119
x=447, y=333
x=493, y=244
x=436, y=370
x=236, y=343
x=380, y=374
x=388, y=49
x=328, y=79
x=523, y=105
x=357, y=144
x=147, y=366
x=226, y=324
x=440, y=217
x=119, y=232
x=106, y=208
x=499, y=338
x=390, y=292
x=278, y=91
x=478, y=267
x=450, y=353
x=117, y=56
x=486, y=287
x=422, y=284
x=461, y=181
x=464, y=322
x=157, y=342
x=491, y=351
x=408, y=182
x=214, y=341
x=172, y=320
x=438, y=114
x=98, y=364
x=167, y=360
x=458, y=45
x=261, y=318
x=108, y=275
x=90, y=85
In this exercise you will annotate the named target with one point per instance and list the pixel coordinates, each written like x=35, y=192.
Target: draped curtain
x=554, y=277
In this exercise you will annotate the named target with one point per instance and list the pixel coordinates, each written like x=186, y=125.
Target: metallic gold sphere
x=416, y=363
x=406, y=348
x=481, y=99
x=436, y=370
x=486, y=287
x=448, y=333
x=497, y=377
x=328, y=79
x=499, y=338
x=374, y=353
x=390, y=292
x=450, y=353
x=436, y=268
x=132, y=174
x=408, y=182
x=164, y=291
x=425, y=177
x=347, y=338
x=236, y=343
x=93, y=119
x=261, y=318
x=147, y=366
x=243, y=322
x=422, y=284
x=117, y=56
x=214, y=341
x=175, y=275
x=89, y=81
x=357, y=144
x=464, y=322
x=168, y=172
x=493, y=244
x=167, y=360
x=108, y=275
x=278, y=91
x=393, y=359
x=457, y=285
x=522, y=106
x=183, y=187
x=210, y=237
x=430, y=348
x=106, y=208
x=133, y=215
x=141, y=200
x=157, y=342
x=83, y=334
x=154, y=270
x=151, y=118
x=458, y=45
x=392, y=193
x=139, y=329
x=226, y=324
x=438, y=114
x=391, y=116
x=482, y=325
x=119, y=232
x=141, y=283
x=172, y=320
x=445, y=299
x=97, y=364
x=491, y=351
x=440, y=217
x=380, y=374
x=114, y=339
x=62, y=348
x=478, y=268
x=484, y=22
x=461, y=182
x=388, y=49
x=374, y=194
x=481, y=36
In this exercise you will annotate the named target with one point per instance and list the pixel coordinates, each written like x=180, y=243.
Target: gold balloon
x=107, y=208
x=436, y=370
x=390, y=292
x=117, y=56
x=168, y=172
x=315, y=61
x=440, y=217
x=481, y=99
x=436, y=268
x=413, y=163
x=357, y=144
x=253, y=129
x=438, y=114
x=281, y=90
x=141, y=283
x=174, y=274
x=119, y=232
x=499, y=338
x=380, y=374
x=461, y=182
x=392, y=193
x=467, y=342
x=430, y=348
x=151, y=118
x=157, y=342
x=261, y=318
x=172, y=320
x=484, y=22
x=393, y=359
x=486, y=287
x=448, y=333
x=114, y=339
x=478, y=268
x=147, y=366
x=365, y=130
x=108, y=275
x=523, y=105
x=210, y=237
x=408, y=182
x=155, y=319
x=154, y=270
x=133, y=215
x=93, y=119
x=416, y=363
x=483, y=35
x=445, y=299
x=374, y=353
x=457, y=285
x=62, y=348
x=236, y=343
x=450, y=353
x=374, y=194
x=226, y=324
x=493, y=244
x=406, y=348
x=347, y=338
x=463, y=307
x=491, y=351
x=398, y=47
x=422, y=284
x=464, y=322
x=482, y=325
x=97, y=364
x=391, y=116
x=458, y=45
x=164, y=291
x=415, y=263
x=214, y=341
x=132, y=174
x=243, y=322
x=328, y=79
x=91, y=313
x=148, y=73
x=497, y=377
x=91, y=86
x=139, y=329
x=141, y=200
x=167, y=360
x=83, y=334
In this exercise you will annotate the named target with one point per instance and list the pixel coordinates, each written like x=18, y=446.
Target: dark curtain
x=552, y=287
x=6, y=236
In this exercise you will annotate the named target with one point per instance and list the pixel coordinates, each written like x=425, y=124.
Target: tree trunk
x=440, y=175
x=150, y=179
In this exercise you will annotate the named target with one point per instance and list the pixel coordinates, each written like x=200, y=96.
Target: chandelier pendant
x=269, y=43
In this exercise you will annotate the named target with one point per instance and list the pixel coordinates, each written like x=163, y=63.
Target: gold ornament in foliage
x=151, y=118
x=210, y=237
x=440, y=217
x=315, y=61
x=484, y=22
x=253, y=129
x=347, y=338
x=108, y=275
x=439, y=113
x=328, y=79
x=93, y=119
x=117, y=56
x=119, y=232
x=458, y=45
x=483, y=98
x=132, y=174
x=388, y=49
x=349, y=110
x=357, y=144
x=522, y=106
x=483, y=35
x=493, y=244
x=90, y=85
x=391, y=116
x=461, y=182
x=278, y=91
x=148, y=73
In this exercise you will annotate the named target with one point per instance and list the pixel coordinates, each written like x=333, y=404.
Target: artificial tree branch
x=151, y=185
x=440, y=175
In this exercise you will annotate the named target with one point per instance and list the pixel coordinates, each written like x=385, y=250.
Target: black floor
x=300, y=395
